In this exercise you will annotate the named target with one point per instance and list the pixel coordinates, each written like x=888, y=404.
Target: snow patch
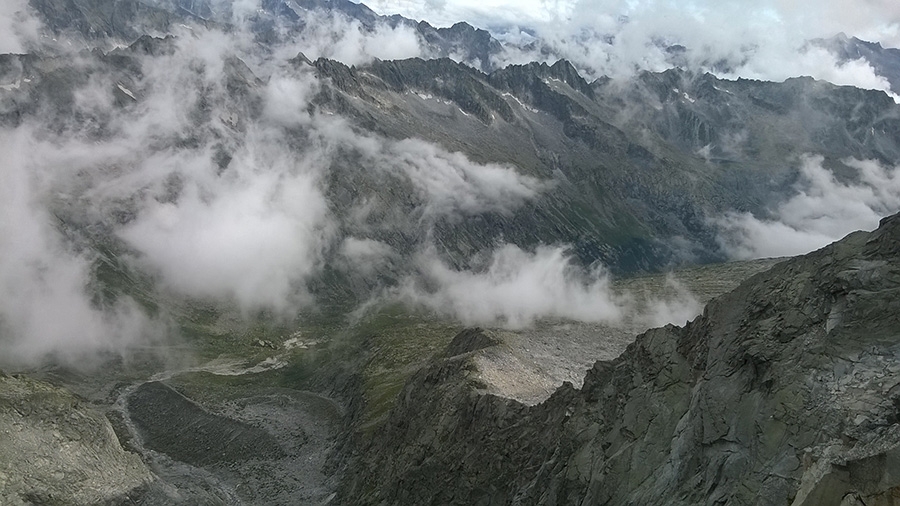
x=521, y=104
x=296, y=343
x=126, y=91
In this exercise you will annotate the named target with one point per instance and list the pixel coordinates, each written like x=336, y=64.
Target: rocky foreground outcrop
x=57, y=450
x=785, y=391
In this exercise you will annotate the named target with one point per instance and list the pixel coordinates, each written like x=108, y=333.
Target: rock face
x=611, y=148
x=55, y=449
x=785, y=391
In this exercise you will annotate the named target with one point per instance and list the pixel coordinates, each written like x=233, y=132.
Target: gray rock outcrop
x=57, y=450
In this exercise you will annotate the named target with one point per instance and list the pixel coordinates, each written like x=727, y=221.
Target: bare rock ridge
x=785, y=391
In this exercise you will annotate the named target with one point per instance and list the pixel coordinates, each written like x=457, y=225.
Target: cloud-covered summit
x=766, y=40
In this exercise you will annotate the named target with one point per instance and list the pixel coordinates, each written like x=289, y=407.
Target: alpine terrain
x=307, y=252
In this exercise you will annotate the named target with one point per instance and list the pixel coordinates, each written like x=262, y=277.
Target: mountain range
x=346, y=243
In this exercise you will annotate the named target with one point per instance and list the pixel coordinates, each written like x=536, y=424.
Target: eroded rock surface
x=785, y=391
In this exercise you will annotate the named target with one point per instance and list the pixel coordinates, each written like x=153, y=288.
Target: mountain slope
x=634, y=164
x=629, y=174
x=783, y=392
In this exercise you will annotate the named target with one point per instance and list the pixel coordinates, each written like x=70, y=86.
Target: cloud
x=19, y=30
x=365, y=255
x=516, y=288
x=450, y=183
x=674, y=304
x=816, y=62
x=444, y=183
x=46, y=306
x=877, y=19
x=287, y=99
x=241, y=10
x=335, y=36
x=253, y=238
x=823, y=210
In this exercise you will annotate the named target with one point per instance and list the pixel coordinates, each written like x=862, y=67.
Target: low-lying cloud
x=674, y=304
x=254, y=239
x=451, y=183
x=516, y=288
x=823, y=210
x=19, y=29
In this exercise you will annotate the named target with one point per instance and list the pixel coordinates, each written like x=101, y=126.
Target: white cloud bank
x=823, y=211
x=253, y=240
x=516, y=288
x=451, y=183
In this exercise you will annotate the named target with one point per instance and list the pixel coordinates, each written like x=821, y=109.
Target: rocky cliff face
x=783, y=392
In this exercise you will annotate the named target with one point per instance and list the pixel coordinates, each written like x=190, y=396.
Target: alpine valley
x=298, y=252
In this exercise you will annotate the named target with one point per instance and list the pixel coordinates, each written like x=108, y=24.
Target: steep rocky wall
x=785, y=391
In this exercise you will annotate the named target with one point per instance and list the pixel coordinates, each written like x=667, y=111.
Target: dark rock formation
x=470, y=340
x=100, y=19
x=784, y=391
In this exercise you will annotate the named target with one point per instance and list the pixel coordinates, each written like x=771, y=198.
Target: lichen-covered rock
x=785, y=391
